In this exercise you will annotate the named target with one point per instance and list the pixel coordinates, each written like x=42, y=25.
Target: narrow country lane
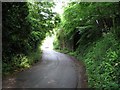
x=62, y=44
x=56, y=70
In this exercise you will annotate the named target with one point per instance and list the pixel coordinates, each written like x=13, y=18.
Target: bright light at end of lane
x=59, y=4
x=48, y=43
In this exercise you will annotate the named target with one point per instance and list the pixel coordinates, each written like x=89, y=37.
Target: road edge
x=82, y=75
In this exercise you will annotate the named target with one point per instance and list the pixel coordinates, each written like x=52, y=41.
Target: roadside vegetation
x=91, y=33
x=24, y=26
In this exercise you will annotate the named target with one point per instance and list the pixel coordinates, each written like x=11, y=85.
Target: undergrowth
x=21, y=62
x=102, y=62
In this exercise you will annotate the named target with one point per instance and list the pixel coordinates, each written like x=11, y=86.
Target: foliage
x=90, y=32
x=24, y=27
x=102, y=61
x=89, y=20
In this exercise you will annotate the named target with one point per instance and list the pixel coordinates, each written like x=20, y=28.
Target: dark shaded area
x=13, y=34
x=76, y=37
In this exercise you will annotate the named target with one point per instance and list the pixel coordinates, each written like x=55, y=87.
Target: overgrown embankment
x=91, y=32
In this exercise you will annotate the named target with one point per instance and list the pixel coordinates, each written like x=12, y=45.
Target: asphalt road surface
x=56, y=70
